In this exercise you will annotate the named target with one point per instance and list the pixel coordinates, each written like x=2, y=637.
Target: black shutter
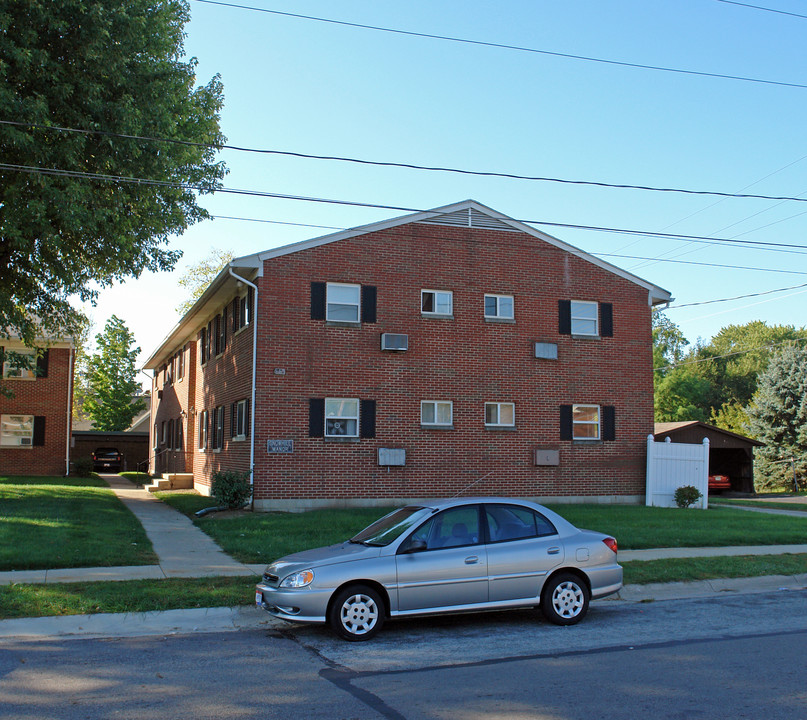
x=565, y=317
x=236, y=313
x=249, y=311
x=368, y=303
x=317, y=300
x=42, y=364
x=233, y=419
x=566, y=430
x=39, y=430
x=316, y=417
x=247, y=424
x=608, y=423
x=211, y=340
x=224, y=329
x=2, y=359
x=367, y=418
x=606, y=320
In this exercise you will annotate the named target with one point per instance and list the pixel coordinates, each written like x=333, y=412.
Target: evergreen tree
x=112, y=400
x=778, y=417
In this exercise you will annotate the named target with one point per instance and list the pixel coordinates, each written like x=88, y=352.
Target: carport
x=729, y=453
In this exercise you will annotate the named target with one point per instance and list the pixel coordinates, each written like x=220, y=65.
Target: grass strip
x=70, y=522
x=772, y=505
x=127, y=596
x=47, y=600
x=641, y=572
x=138, y=478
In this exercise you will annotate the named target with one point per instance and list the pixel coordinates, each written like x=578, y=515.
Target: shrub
x=687, y=495
x=82, y=467
x=230, y=488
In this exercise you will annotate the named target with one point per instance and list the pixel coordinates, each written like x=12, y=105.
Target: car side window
x=512, y=522
x=456, y=527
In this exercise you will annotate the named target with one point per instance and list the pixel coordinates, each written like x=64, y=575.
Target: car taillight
x=611, y=543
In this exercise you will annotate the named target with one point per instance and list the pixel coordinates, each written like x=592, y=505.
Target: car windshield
x=390, y=527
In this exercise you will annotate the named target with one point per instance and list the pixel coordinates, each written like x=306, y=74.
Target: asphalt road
x=723, y=657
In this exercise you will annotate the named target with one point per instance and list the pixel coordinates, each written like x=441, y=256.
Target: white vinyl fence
x=671, y=465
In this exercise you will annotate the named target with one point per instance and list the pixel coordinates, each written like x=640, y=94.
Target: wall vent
x=394, y=341
x=391, y=456
x=469, y=218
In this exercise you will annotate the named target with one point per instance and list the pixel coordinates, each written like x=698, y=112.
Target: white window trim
x=27, y=373
x=19, y=437
x=357, y=305
x=596, y=318
x=450, y=294
x=240, y=415
x=203, y=419
x=576, y=423
x=435, y=403
x=498, y=315
x=342, y=417
x=499, y=406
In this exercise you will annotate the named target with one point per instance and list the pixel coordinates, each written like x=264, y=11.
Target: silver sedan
x=451, y=556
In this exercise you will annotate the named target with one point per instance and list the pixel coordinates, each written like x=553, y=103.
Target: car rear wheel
x=357, y=613
x=564, y=599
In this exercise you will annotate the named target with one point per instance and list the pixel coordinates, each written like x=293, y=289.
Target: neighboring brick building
x=35, y=422
x=409, y=359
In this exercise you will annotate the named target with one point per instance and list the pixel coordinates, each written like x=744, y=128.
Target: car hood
x=344, y=552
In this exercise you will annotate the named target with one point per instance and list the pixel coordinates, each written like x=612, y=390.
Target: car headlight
x=298, y=579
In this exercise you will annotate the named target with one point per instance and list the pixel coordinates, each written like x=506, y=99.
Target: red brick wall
x=48, y=397
x=466, y=360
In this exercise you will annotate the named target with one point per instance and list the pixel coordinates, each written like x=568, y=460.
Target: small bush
x=82, y=467
x=687, y=495
x=230, y=488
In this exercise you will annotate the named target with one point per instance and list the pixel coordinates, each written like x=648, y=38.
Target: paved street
x=720, y=657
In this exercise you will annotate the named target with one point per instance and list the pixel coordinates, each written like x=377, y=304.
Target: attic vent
x=469, y=218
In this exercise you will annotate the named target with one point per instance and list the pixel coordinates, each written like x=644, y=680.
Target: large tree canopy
x=110, y=68
x=197, y=277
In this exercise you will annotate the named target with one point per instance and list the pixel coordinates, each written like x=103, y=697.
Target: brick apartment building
x=35, y=421
x=454, y=351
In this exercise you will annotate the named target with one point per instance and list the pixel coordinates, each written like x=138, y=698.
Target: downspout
x=69, y=412
x=254, y=318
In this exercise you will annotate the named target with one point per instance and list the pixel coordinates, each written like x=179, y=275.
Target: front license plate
x=258, y=599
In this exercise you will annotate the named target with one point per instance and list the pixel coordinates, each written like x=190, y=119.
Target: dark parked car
x=107, y=459
x=450, y=556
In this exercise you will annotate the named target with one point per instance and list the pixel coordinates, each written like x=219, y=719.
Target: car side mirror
x=414, y=546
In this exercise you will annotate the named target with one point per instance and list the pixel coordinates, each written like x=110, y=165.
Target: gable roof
x=663, y=429
x=467, y=213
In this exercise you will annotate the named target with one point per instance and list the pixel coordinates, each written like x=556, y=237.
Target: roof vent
x=470, y=218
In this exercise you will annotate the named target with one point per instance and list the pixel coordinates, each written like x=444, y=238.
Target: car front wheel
x=357, y=613
x=564, y=599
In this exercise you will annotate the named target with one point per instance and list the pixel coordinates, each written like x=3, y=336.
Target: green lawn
x=52, y=522
x=706, y=568
x=772, y=504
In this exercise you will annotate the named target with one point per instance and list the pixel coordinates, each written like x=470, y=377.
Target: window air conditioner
x=393, y=341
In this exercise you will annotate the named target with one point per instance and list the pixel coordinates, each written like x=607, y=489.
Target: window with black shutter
x=566, y=422
x=367, y=418
x=318, y=300
x=316, y=417
x=608, y=423
x=565, y=317
x=39, y=430
x=368, y=303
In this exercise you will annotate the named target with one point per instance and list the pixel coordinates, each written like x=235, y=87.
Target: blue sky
x=311, y=87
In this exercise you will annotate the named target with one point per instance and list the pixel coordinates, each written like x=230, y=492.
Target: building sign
x=280, y=446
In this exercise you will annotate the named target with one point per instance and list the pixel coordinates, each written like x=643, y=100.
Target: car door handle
x=471, y=560
x=553, y=551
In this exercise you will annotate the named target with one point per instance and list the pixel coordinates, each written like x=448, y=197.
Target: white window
x=341, y=417
x=342, y=302
x=436, y=412
x=499, y=306
x=203, y=430
x=240, y=420
x=19, y=364
x=584, y=318
x=436, y=302
x=500, y=414
x=586, y=422
x=16, y=430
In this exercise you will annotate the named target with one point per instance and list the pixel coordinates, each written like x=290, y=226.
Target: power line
x=411, y=166
x=378, y=206
x=736, y=297
x=503, y=46
x=704, y=264
x=766, y=9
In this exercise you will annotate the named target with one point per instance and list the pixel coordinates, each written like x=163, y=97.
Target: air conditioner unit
x=393, y=341
x=25, y=441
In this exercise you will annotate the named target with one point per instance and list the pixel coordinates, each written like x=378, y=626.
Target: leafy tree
x=669, y=344
x=679, y=396
x=778, y=417
x=69, y=222
x=197, y=277
x=112, y=400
